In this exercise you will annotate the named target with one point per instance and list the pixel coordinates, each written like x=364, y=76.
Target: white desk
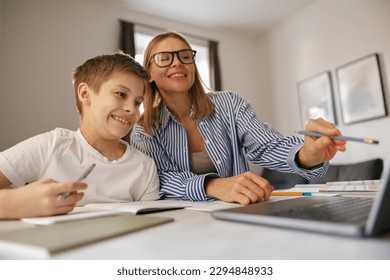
x=197, y=235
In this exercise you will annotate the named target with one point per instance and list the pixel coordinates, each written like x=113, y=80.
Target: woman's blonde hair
x=202, y=106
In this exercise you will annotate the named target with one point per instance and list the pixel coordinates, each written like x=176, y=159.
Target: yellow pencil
x=291, y=194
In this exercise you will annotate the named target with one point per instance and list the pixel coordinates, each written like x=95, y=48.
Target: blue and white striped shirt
x=232, y=135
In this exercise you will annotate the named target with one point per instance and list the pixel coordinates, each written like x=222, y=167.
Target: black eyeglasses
x=165, y=59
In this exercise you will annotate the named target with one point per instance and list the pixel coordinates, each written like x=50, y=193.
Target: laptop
x=340, y=215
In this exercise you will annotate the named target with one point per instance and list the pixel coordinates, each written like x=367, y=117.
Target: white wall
x=44, y=40
x=1, y=24
x=327, y=34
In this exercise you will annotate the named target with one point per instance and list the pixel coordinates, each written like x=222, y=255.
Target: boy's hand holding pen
x=64, y=195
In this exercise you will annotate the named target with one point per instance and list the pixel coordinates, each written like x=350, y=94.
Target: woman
x=201, y=143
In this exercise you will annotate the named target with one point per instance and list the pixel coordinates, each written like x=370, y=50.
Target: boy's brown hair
x=95, y=71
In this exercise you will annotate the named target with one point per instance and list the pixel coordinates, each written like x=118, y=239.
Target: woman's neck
x=179, y=104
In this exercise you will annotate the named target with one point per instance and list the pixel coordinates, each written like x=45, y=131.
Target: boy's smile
x=123, y=120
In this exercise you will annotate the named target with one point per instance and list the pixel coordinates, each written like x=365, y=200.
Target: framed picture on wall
x=360, y=87
x=315, y=97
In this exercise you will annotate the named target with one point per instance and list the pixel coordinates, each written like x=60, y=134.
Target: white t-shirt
x=64, y=155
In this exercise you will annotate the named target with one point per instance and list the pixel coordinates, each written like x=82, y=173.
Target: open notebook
x=105, y=209
x=352, y=216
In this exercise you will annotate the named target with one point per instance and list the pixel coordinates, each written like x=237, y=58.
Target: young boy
x=109, y=90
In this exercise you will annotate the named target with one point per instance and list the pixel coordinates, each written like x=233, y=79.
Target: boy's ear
x=83, y=92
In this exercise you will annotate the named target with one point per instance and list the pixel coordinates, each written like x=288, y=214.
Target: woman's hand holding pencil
x=317, y=150
x=340, y=137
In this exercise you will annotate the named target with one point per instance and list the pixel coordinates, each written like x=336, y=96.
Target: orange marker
x=291, y=194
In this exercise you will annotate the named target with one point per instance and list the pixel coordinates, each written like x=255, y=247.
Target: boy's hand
x=40, y=199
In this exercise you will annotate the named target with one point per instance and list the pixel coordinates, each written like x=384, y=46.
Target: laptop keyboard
x=334, y=209
x=353, y=186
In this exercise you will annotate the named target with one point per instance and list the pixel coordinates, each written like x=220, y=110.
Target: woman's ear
x=157, y=99
x=151, y=80
x=83, y=92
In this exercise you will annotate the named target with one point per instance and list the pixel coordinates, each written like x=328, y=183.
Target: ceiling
x=251, y=17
